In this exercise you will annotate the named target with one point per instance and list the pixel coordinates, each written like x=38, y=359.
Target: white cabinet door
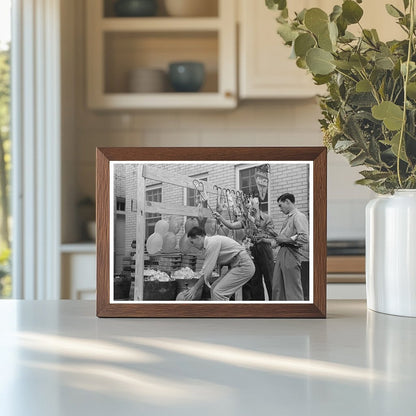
x=265, y=69
x=264, y=66
x=78, y=276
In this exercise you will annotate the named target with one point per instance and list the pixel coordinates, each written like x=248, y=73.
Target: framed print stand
x=174, y=168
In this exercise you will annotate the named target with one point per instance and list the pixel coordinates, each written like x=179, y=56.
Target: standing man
x=261, y=252
x=294, y=248
x=224, y=251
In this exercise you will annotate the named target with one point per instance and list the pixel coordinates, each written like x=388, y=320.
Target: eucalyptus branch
x=346, y=75
x=405, y=81
x=373, y=88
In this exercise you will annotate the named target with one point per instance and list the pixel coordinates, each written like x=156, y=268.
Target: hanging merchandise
x=262, y=180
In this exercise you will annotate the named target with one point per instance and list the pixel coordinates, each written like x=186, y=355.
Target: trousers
x=287, y=282
x=240, y=272
x=263, y=261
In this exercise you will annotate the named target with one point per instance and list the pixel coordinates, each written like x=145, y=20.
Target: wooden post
x=140, y=234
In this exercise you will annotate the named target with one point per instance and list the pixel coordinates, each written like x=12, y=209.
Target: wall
x=253, y=123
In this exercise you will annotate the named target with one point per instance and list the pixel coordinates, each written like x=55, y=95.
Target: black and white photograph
x=184, y=231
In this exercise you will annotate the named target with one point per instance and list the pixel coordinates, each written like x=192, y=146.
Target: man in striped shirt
x=223, y=251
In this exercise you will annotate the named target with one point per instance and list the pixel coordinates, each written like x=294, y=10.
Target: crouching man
x=224, y=251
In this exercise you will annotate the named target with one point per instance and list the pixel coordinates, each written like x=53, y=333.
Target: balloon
x=154, y=243
x=174, y=225
x=169, y=242
x=211, y=226
x=191, y=223
x=161, y=227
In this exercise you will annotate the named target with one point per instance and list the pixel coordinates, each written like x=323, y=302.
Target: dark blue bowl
x=135, y=8
x=186, y=76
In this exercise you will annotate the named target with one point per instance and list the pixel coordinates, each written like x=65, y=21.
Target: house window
x=153, y=194
x=120, y=204
x=254, y=182
x=192, y=198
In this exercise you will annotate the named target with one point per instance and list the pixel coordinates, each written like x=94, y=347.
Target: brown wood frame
x=317, y=309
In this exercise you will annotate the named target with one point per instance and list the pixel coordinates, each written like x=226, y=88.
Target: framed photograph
x=211, y=232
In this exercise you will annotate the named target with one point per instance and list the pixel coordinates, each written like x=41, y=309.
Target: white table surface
x=57, y=358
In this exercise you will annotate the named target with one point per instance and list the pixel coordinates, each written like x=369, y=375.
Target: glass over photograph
x=211, y=232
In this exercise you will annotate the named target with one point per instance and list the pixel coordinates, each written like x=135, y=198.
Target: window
x=5, y=160
x=254, y=181
x=191, y=195
x=153, y=194
x=121, y=204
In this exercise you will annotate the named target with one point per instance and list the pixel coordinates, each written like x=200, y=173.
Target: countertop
x=57, y=358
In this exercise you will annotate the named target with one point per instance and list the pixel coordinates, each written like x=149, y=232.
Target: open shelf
x=118, y=45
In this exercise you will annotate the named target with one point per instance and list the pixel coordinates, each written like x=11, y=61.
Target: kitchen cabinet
x=118, y=45
x=265, y=70
x=78, y=264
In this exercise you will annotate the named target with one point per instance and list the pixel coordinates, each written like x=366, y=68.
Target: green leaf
x=303, y=43
x=285, y=13
x=375, y=35
x=411, y=90
x=374, y=175
x=351, y=11
x=344, y=65
x=276, y=4
x=325, y=42
x=363, y=86
x=321, y=79
x=301, y=63
x=343, y=145
x=342, y=25
x=316, y=20
x=319, y=61
x=394, y=144
x=391, y=114
x=359, y=160
x=287, y=33
x=393, y=11
x=358, y=61
x=384, y=62
x=301, y=15
x=336, y=12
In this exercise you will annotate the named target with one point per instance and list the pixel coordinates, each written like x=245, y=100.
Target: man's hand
x=190, y=293
x=217, y=216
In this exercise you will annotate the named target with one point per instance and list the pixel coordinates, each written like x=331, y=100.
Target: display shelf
x=81, y=247
x=160, y=24
x=117, y=45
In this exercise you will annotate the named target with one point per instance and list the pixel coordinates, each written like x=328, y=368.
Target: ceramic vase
x=391, y=253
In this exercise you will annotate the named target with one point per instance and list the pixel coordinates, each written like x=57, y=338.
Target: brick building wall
x=293, y=178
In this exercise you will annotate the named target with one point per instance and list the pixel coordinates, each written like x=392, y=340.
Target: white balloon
x=169, y=242
x=154, y=243
x=161, y=227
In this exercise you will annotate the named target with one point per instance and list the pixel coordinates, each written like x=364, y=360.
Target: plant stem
x=405, y=81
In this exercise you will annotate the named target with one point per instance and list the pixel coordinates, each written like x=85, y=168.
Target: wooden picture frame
x=147, y=161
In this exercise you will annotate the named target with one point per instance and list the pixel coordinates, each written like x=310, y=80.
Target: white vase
x=391, y=253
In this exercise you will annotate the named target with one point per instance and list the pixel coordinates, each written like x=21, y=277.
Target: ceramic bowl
x=147, y=80
x=186, y=76
x=135, y=8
